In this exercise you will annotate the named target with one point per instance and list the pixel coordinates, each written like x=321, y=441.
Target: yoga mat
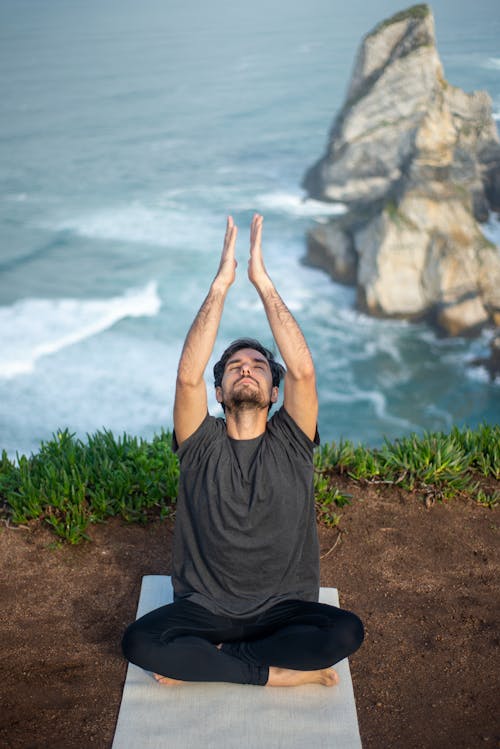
x=233, y=716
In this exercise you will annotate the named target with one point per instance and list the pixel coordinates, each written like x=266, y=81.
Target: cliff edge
x=417, y=163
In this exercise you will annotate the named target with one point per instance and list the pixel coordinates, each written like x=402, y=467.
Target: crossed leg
x=294, y=642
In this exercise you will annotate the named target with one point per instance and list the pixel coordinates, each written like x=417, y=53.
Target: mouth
x=246, y=380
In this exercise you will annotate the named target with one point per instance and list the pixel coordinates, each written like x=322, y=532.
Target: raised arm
x=300, y=399
x=190, y=407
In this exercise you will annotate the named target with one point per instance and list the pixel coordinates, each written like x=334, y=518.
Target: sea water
x=129, y=130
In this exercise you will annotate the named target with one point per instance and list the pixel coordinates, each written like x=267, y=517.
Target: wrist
x=219, y=287
x=264, y=285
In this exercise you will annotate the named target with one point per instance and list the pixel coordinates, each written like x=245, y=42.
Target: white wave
x=307, y=47
x=384, y=345
x=431, y=337
x=169, y=221
x=122, y=383
x=442, y=419
x=17, y=197
x=378, y=402
x=479, y=348
x=33, y=328
x=134, y=223
x=255, y=305
x=296, y=204
x=165, y=223
x=491, y=229
x=350, y=316
x=492, y=63
x=496, y=116
x=479, y=373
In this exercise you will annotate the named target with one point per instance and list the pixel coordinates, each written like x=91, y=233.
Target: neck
x=246, y=424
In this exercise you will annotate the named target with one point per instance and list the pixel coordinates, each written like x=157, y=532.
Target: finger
x=229, y=226
x=253, y=228
x=256, y=219
x=256, y=230
x=230, y=236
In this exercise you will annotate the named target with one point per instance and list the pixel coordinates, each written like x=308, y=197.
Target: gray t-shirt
x=245, y=535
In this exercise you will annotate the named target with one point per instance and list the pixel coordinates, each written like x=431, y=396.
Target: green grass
x=439, y=465
x=70, y=483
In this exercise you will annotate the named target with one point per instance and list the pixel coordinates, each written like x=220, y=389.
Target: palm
x=227, y=266
x=256, y=268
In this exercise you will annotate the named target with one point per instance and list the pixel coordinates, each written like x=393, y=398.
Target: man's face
x=247, y=381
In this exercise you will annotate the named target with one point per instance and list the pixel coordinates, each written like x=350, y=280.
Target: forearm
x=286, y=331
x=200, y=339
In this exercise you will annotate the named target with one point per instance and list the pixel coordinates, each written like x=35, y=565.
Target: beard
x=246, y=398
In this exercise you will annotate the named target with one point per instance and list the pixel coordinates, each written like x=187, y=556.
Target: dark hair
x=277, y=370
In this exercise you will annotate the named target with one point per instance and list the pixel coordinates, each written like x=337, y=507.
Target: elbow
x=186, y=380
x=305, y=374
x=304, y=378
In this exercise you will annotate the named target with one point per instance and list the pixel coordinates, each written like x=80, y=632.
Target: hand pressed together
x=227, y=267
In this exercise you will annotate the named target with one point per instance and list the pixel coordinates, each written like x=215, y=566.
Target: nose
x=245, y=368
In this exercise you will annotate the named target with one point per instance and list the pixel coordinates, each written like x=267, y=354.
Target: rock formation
x=417, y=164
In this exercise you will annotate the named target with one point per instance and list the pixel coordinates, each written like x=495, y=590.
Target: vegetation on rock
x=422, y=10
x=427, y=154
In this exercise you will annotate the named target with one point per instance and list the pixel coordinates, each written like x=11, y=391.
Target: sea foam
x=493, y=63
x=491, y=229
x=161, y=222
x=32, y=328
x=295, y=204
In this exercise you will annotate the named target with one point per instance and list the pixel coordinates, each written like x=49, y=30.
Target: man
x=246, y=557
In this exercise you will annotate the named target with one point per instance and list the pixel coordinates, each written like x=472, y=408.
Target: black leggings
x=179, y=641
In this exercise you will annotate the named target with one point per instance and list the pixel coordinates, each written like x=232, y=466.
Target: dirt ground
x=424, y=580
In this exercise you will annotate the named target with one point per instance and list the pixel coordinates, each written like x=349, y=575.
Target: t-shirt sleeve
x=284, y=426
x=194, y=446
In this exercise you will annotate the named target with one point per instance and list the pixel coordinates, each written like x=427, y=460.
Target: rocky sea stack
x=416, y=161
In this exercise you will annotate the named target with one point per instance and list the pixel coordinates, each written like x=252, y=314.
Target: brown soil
x=424, y=580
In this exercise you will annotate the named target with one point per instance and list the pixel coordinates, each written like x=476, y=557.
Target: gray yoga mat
x=233, y=716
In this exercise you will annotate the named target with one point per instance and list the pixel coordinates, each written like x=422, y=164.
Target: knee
x=352, y=632
x=355, y=632
x=132, y=643
x=346, y=635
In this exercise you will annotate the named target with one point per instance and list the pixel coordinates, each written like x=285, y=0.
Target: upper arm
x=301, y=402
x=190, y=408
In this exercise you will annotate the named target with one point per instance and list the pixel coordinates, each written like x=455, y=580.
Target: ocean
x=129, y=130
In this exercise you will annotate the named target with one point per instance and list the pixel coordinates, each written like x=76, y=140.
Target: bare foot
x=167, y=681
x=286, y=677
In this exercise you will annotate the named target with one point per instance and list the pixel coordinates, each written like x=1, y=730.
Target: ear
x=218, y=394
x=274, y=394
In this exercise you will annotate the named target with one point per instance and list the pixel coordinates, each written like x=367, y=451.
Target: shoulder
x=211, y=430
x=283, y=427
